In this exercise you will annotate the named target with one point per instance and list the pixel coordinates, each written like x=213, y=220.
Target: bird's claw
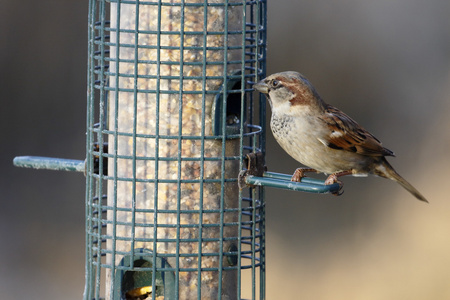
x=332, y=179
x=297, y=176
x=340, y=191
x=300, y=173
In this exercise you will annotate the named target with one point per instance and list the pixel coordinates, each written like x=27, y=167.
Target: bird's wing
x=346, y=134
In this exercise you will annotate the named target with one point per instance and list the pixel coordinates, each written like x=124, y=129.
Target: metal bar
x=89, y=265
x=134, y=139
x=114, y=138
x=50, y=163
x=157, y=143
x=98, y=182
x=202, y=151
x=259, y=18
x=241, y=154
x=222, y=171
x=283, y=181
x=180, y=133
x=288, y=177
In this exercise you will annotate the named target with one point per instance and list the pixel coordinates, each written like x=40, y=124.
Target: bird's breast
x=297, y=136
x=300, y=138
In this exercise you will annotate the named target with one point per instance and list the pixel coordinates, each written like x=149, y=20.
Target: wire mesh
x=170, y=93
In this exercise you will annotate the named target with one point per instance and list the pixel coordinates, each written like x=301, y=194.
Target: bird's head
x=289, y=92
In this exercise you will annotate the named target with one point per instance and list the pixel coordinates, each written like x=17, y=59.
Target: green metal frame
x=247, y=250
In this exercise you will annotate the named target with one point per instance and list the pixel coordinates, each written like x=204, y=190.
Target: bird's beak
x=261, y=87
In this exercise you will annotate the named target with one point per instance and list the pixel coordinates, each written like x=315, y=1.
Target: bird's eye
x=275, y=83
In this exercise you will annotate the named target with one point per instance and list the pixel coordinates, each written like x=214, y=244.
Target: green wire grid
x=144, y=221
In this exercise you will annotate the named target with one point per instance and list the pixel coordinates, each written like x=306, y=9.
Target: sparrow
x=322, y=137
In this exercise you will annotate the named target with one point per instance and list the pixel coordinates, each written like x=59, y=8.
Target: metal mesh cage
x=171, y=116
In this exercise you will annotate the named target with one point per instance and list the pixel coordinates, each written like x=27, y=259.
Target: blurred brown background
x=385, y=63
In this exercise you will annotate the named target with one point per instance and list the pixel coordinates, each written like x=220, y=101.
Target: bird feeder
x=170, y=94
x=175, y=151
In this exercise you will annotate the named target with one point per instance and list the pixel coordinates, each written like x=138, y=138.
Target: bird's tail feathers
x=387, y=171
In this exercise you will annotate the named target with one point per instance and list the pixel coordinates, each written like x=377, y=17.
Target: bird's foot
x=333, y=178
x=300, y=173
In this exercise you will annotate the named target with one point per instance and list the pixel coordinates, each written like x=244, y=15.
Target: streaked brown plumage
x=321, y=136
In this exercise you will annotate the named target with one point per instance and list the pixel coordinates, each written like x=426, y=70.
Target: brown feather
x=348, y=135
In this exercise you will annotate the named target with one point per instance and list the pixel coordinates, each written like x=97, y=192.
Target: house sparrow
x=321, y=136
